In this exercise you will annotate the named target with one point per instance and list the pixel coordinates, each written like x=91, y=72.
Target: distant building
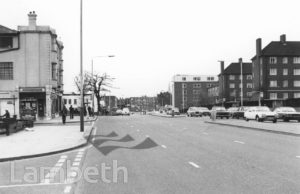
x=75, y=100
x=230, y=83
x=276, y=72
x=213, y=95
x=143, y=103
x=191, y=90
x=110, y=102
x=31, y=70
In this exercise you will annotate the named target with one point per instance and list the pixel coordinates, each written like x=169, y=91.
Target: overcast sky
x=156, y=39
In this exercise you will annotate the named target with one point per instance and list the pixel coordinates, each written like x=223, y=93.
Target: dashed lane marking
x=193, y=164
x=147, y=136
x=75, y=163
x=204, y=133
x=163, y=146
x=77, y=159
x=297, y=156
x=240, y=142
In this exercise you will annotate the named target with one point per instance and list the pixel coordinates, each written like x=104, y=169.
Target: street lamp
x=93, y=72
x=81, y=76
x=241, y=62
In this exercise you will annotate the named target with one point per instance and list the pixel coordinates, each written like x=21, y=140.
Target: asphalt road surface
x=147, y=155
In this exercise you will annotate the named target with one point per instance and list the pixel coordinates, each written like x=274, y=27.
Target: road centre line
x=193, y=164
x=31, y=185
x=240, y=142
x=163, y=146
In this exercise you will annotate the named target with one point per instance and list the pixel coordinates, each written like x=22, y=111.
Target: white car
x=125, y=111
x=260, y=113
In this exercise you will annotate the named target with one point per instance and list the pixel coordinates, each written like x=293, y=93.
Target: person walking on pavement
x=90, y=111
x=71, y=109
x=64, y=113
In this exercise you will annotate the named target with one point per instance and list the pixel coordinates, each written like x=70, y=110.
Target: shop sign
x=32, y=89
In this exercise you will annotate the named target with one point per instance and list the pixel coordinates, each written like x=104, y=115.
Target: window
x=231, y=85
x=284, y=60
x=249, y=77
x=196, y=91
x=273, y=71
x=208, y=85
x=232, y=94
x=183, y=78
x=285, y=83
x=296, y=83
x=296, y=71
x=296, y=60
x=75, y=101
x=231, y=77
x=249, y=94
x=6, y=42
x=184, y=92
x=65, y=101
x=249, y=85
x=273, y=83
x=273, y=60
x=196, y=78
x=285, y=95
x=54, y=71
x=210, y=78
x=297, y=95
x=196, y=85
x=183, y=85
x=273, y=95
x=6, y=71
x=285, y=72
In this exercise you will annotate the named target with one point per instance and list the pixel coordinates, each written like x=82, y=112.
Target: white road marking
x=297, y=156
x=77, y=159
x=193, y=164
x=75, y=163
x=31, y=185
x=204, y=133
x=59, y=164
x=163, y=146
x=82, y=150
x=147, y=136
x=138, y=130
x=64, y=156
x=67, y=189
x=239, y=142
x=62, y=160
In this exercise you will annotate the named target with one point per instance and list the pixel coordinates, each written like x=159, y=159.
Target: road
x=146, y=154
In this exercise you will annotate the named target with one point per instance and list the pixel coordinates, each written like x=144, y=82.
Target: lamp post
x=81, y=76
x=93, y=73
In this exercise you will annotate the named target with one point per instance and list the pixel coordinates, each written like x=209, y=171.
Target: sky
x=152, y=40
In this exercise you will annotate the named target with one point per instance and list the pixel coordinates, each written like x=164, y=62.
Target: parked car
x=176, y=111
x=220, y=112
x=260, y=113
x=240, y=112
x=287, y=114
x=126, y=111
x=204, y=111
x=194, y=112
x=231, y=110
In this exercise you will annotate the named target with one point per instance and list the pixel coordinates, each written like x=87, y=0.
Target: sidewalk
x=287, y=128
x=58, y=120
x=41, y=141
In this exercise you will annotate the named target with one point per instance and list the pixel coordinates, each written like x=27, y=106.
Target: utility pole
x=241, y=62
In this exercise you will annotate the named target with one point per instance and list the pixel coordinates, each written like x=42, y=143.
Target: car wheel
x=246, y=119
x=275, y=120
x=227, y=117
x=238, y=117
x=299, y=120
x=221, y=117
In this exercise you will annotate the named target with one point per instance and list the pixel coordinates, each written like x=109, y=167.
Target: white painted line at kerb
x=297, y=156
x=67, y=189
x=163, y=146
x=193, y=164
x=240, y=142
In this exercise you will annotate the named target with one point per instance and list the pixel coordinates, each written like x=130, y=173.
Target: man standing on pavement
x=71, y=109
x=64, y=113
x=6, y=115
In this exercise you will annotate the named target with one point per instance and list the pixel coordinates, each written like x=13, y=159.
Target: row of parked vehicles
x=259, y=113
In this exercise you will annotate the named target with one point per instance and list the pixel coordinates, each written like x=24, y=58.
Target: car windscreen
x=287, y=109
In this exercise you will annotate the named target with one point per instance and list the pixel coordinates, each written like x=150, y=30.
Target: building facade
x=231, y=83
x=143, y=103
x=191, y=90
x=276, y=71
x=110, y=102
x=31, y=70
x=75, y=100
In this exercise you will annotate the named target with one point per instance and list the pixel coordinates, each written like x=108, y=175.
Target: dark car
x=287, y=114
x=240, y=112
x=204, y=111
x=220, y=112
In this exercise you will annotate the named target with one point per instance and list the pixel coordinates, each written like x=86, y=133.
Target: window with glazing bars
x=6, y=71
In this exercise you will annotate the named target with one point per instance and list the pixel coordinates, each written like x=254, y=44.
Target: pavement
x=144, y=154
x=44, y=139
x=58, y=120
x=287, y=128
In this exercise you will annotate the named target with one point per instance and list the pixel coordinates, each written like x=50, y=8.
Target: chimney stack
x=222, y=67
x=32, y=20
x=282, y=38
x=258, y=47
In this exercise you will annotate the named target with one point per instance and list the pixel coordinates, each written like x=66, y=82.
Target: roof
x=278, y=48
x=5, y=30
x=235, y=68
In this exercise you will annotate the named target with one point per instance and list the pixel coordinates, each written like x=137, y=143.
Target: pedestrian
x=71, y=109
x=6, y=115
x=64, y=113
x=90, y=111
